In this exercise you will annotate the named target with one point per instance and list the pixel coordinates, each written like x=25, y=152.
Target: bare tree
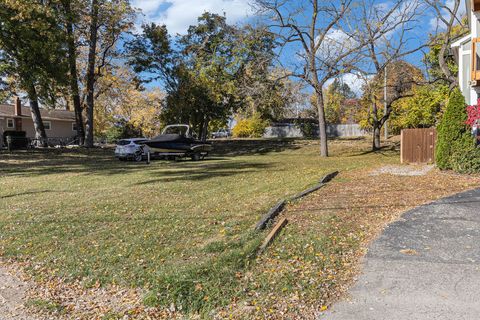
x=323, y=34
x=448, y=15
x=387, y=32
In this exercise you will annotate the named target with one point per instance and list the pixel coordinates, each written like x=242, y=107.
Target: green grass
x=45, y=305
x=181, y=230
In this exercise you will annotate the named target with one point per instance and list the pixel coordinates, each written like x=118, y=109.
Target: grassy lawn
x=180, y=231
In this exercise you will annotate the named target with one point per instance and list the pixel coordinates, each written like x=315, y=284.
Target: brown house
x=59, y=124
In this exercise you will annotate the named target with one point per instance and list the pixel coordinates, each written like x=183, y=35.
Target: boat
x=178, y=140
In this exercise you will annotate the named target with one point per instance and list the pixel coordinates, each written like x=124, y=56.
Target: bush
x=466, y=159
x=252, y=127
x=452, y=132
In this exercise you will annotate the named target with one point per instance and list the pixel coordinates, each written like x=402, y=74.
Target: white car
x=222, y=133
x=131, y=149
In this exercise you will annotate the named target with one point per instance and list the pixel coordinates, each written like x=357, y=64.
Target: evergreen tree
x=452, y=130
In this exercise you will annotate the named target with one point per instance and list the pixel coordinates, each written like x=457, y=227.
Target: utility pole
x=385, y=102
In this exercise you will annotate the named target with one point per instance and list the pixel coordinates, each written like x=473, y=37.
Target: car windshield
x=123, y=142
x=181, y=130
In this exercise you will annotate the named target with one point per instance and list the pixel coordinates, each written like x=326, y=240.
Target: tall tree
x=203, y=70
x=386, y=44
x=92, y=55
x=31, y=42
x=324, y=36
x=70, y=19
x=107, y=22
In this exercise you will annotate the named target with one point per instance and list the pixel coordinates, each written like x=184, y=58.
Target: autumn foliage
x=473, y=113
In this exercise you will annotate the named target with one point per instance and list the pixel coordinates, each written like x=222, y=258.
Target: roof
x=7, y=110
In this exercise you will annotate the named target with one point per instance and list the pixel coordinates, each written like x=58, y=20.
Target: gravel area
x=405, y=170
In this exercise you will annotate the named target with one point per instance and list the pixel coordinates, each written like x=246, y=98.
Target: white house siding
x=463, y=52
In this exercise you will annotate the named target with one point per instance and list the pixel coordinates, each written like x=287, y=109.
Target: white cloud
x=178, y=15
x=354, y=81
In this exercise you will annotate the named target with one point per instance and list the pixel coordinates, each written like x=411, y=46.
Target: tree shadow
x=102, y=162
x=28, y=193
x=205, y=171
x=384, y=151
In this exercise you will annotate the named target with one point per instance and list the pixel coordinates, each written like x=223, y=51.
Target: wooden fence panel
x=418, y=145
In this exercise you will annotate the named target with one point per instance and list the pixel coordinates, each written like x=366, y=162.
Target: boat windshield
x=181, y=130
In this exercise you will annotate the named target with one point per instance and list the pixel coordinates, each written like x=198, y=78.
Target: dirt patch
x=13, y=295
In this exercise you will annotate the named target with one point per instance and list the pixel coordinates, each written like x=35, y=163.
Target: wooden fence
x=418, y=145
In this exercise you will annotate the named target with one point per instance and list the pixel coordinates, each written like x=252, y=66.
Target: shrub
x=252, y=127
x=466, y=159
x=452, y=131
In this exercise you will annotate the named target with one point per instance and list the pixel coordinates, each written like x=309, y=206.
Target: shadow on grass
x=102, y=162
x=27, y=193
x=384, y=151
x=205, y=170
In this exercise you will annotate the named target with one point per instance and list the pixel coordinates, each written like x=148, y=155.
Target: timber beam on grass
x=329, y=177
x=278, y=207
x=322, y=183
x=271, y=214
x=271, y=236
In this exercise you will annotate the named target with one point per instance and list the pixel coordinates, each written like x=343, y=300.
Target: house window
x=74, y=126
x=475, y=75
x=47, y=125
x=10, y=124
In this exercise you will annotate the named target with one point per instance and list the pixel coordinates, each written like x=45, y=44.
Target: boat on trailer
x=178, y=140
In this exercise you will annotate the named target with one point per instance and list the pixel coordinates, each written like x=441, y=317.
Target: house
x=59, y=124
x=467, y=53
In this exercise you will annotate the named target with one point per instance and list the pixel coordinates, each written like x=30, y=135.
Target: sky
x=178, y=15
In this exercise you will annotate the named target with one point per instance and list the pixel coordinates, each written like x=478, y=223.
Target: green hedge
x=456, y=148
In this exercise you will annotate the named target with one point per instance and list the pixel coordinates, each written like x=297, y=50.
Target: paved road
x=424, y=266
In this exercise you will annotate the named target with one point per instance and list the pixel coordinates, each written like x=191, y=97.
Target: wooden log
x=272, y=213
x=322, y=183
x=329, y=177
x=306, y=192
x=271, y=236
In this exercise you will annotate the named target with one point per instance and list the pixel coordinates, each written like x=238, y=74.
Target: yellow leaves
x=409, y=252
x=141, y=109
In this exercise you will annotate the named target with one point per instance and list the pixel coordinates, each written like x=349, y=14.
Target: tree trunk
x=40, y=135
x=91, y=74
x=376, y=136
x=203, y=134
x=72, y=61
x=322, y=124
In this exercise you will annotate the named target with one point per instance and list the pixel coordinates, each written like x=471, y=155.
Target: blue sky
x=177, y=15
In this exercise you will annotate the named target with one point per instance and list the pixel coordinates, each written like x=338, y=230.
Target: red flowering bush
x=473, y=113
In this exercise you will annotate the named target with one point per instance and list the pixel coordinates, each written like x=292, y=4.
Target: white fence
x=290, y=130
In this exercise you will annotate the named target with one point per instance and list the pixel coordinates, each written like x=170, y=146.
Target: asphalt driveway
x=424, y=266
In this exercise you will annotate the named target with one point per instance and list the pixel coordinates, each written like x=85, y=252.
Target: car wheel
x=138, y=157
x=196, y=157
